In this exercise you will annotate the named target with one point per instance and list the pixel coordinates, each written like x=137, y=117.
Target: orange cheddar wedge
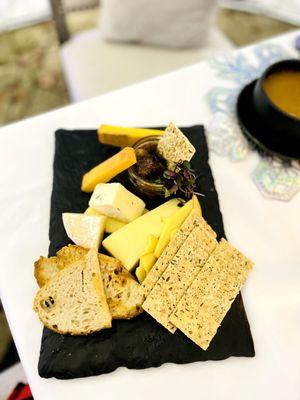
x=123, y=136
x=108, y=169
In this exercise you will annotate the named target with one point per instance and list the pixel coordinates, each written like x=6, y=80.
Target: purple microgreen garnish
x=180, y=180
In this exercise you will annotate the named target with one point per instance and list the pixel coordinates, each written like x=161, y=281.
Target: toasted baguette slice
x=122, y=290
x=74, y=302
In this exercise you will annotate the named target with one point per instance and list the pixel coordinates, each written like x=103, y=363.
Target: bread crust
x=122, y=290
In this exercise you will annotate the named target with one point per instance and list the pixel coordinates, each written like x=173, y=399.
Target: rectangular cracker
x=179, y=274
x=201, y=310
x=172, y=248
x=174, y=146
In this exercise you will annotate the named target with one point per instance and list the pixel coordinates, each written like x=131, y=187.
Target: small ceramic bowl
x=267, y=125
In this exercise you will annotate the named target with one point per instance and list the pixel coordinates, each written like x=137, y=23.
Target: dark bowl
x=279, y=130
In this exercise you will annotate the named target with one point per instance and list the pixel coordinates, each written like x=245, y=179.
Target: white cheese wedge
x=84, y=230
x=129, y=243
x=115, y=201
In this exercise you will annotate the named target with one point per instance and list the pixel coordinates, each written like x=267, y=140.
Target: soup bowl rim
x=272, y=69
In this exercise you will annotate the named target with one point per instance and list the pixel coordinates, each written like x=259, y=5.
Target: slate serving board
x=140, y=342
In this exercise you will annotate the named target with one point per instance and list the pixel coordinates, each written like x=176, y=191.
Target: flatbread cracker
x=174, y=146
x=161, y=264
x=179, y=274
x=201, y=310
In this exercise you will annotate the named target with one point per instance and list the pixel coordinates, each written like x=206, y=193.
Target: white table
x=267, y=231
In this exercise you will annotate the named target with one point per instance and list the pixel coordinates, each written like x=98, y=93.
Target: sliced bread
x=122, y=290
x=73, y=301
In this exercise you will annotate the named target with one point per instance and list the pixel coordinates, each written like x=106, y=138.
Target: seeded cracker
x=174, y=146
x=161, y=264
x=201, y=310
x=179, y=274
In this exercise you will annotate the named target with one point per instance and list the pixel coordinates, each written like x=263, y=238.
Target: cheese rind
x=108, y=169
x=130, y=242
x=84, y=230
x=115, y=201
x=124, y=136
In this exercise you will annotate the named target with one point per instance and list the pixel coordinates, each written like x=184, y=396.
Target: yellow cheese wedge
x=152, y=243
x=129, y=243
x=174, y=222
x=147, y=261
x=111, y=224
x=140, y=274
x=108, y=169
x=197, y=207
x=84, y=230
x=122, y=137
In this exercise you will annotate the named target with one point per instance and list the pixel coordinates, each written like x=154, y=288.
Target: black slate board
x=140, y=342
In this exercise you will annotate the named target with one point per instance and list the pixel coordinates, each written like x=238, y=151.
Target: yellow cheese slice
x=84, y=230
x=111, y=225
x=174, y=222
x=129, y=243
x=152, y=243
x=140, y=274
x=147, y=261
x=108, y=169
x=122, y=137
x=197, y=206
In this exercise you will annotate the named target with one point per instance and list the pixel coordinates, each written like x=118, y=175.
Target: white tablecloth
x=267, y=231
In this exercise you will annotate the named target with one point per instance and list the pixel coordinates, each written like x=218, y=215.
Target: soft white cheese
x=84, y=230
x=113, y=200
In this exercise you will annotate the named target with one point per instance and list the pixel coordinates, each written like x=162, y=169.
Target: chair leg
x=60, y=21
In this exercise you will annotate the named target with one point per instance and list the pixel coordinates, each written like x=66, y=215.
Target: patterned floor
x=31, y=81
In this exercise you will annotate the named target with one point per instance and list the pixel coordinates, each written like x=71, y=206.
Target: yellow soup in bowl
x=283, y=89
